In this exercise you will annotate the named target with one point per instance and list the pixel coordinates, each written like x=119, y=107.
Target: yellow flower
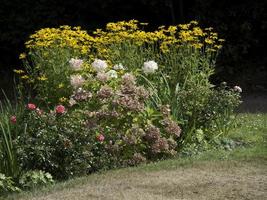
x=194, y=22
x=198, y=31
x=18, y=71
x=63, y=99
x=198, y=45
x=25, y=77
x=184, y=26
x=209, y=41
x=22, y=56
x=61, y=85
x=42, y=78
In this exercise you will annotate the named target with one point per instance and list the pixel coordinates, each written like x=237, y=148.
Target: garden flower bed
x=113, y=98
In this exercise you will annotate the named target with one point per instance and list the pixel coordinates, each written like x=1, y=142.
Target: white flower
x=76, y=64
x=76, y=81
x=72, y=102
x=118, y=67
x=99, y=65
x=238, y=89
x=112, y=74
x=150, y=67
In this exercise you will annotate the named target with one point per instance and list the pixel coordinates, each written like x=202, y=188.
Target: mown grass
x=251, y=131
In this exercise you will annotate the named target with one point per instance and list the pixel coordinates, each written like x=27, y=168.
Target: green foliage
x=8, y=133
x=7, y=184
x=48, y=75
x=218, y=118
x=32, y=179
x=54, y=143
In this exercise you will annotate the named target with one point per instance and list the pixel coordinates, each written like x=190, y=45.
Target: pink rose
x=31, y=106
x=100, y=138
x=13, y=119
x=60, y=109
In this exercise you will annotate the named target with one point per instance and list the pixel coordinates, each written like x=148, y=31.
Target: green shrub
x=55, y=143
x=32, y=179
x=7, y=184
x=219, y=115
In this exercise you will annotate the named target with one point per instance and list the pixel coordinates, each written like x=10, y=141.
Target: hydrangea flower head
x=150, y=67
x=76, y=81
x=101, y=76
x=76, y=64
x=99, y=65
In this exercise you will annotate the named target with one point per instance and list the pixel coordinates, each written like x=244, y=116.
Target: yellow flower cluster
x=126, y=31
x=189, y=34
x=64, y=36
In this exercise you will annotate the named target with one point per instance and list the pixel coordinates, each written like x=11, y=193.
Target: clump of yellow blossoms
x=126, y=31
x=64, y=36
x=189, y=34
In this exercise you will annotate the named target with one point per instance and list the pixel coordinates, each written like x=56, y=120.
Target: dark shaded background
x=243, y=24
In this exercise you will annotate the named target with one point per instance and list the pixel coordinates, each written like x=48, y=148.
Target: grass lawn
x=237, y=174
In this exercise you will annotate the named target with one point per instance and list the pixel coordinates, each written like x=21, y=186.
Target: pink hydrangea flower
x=31, y=106
x=60, y=109
x=76, y=64
x=13, y=119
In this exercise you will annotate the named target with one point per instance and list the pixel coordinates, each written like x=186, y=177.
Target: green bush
x=32, y=179
x=219, y=115
x=7, y=184
x=55, y=143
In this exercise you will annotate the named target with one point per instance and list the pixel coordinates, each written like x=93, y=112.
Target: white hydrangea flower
x=76, y=64
x=99, y=65
x=118, y=67
x=238, y=89
x=150, y=67
x=112, y=74
x=76, y=81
